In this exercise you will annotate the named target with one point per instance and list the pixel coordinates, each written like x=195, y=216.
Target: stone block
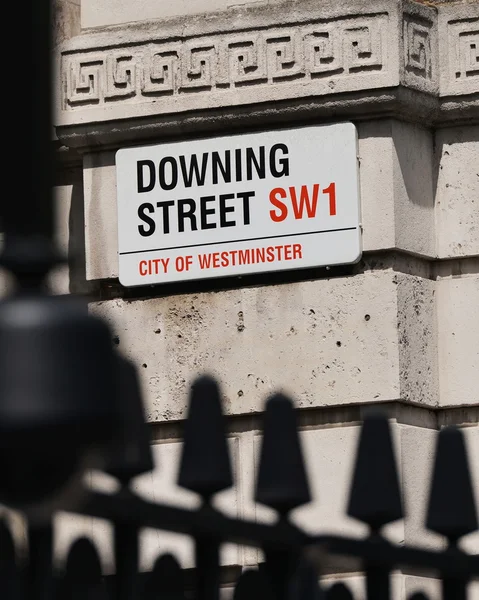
x=59, y=277
x=396, y=178
x=417, y=340
x=457, y=191
x=328, y=342
x=376, y=180
x=66, y=20
x=458, y=26
x=458, y=340
x=419, y=43
x=101, y=222
x=69, y=233
x=99, y=13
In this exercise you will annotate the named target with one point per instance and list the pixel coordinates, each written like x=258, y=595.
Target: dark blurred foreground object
x=58, y=408
x=294, y=560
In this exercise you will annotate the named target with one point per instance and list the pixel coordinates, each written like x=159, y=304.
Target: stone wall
x=399, y=330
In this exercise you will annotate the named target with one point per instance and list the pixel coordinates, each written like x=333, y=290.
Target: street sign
x=234, y=205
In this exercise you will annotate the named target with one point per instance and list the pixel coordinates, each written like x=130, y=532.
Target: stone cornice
x=300, y=60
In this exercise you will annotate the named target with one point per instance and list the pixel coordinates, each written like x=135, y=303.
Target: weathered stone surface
x=458, y=342
x=6, y=283
x=329, y=342
x=69, y=233
x=396, y=178
x=457, y=191
x=417, y=339
x=66, y=20
x=99, y=13
x=101, y=222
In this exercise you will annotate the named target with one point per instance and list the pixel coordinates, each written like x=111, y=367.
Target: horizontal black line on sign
x=271, y=237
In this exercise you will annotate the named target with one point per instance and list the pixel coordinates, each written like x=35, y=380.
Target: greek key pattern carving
x=350, y=48
x=464, y=54
x=417, y=47
x=420, y=44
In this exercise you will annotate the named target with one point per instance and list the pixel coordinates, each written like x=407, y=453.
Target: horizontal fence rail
x=293, y=558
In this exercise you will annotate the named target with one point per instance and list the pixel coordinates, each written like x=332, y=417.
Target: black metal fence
x=293, y=558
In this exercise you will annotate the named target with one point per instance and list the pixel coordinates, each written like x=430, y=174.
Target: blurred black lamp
x=58, y=406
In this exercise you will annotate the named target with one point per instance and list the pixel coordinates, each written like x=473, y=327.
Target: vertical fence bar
x=279, y=570
x=28, y=250
x=375, y=497
x=282, y=484
x=8, y=566
x=451, y=508
x=126, y=561
x=205, y=468
x=377, y=583
x=453, y=589
x=207, y=556
x=40, y=569
x=38, y=204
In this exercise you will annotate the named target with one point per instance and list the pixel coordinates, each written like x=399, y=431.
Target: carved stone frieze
x=460, y=52
x=264, y=56
x=231, y=68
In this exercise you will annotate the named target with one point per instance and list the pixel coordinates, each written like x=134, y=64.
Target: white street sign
x=233, y=205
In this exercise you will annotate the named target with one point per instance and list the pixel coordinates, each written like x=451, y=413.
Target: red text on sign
x=250, y=256
x=304, y=203
x=154, y=266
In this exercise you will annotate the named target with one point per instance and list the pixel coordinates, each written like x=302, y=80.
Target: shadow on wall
x=71, y=229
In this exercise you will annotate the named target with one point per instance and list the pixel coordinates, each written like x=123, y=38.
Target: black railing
x=293, y=558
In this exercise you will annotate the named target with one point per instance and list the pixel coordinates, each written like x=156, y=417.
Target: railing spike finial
x=451, y=509
x=253, y=585
x=375, y=497
x=339, y=591
x=165, y=580
x=205, y=465
x=282, y=481
x=83, y=573
x=130, y=449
